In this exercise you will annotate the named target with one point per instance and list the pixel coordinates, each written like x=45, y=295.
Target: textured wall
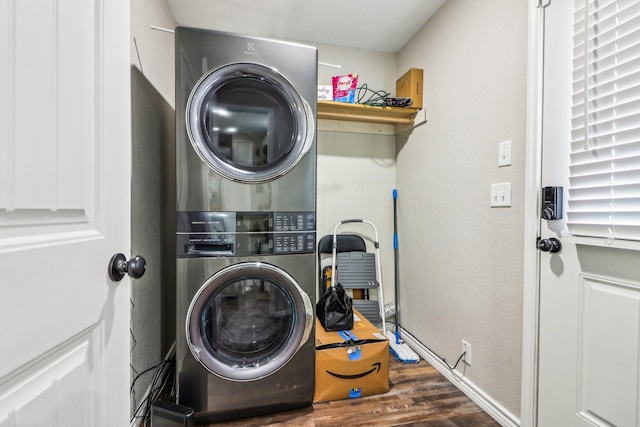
x=462, y=261
x=152, y=188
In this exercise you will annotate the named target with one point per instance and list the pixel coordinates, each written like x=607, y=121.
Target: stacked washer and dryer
x=246, y=224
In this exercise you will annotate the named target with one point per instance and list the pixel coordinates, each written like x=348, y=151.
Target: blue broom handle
x=395, y=258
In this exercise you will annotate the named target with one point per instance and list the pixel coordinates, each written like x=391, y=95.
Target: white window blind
x=604, y=191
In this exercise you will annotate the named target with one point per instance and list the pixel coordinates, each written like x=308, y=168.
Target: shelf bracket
x=419, y=120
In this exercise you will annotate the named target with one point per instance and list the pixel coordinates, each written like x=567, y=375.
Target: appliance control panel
x=289, y=243
x=202, y=234
x=294, y=221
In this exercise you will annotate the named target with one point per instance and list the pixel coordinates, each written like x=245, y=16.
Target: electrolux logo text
x=251, y=49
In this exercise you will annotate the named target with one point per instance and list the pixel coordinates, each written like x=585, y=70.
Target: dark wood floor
x=418, y=396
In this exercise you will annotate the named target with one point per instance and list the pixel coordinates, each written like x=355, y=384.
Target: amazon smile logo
x=376, y=368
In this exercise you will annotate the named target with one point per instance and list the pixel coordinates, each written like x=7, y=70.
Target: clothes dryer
x=246, y=118
x=246, y=224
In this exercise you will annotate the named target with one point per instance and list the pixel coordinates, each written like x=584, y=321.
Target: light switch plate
x=501, y=195
x=504, y=153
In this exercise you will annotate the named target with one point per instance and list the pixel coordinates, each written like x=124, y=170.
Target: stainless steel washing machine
x=245, y=119
x=246, y=224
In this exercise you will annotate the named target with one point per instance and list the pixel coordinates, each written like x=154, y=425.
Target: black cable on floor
x=164, y=371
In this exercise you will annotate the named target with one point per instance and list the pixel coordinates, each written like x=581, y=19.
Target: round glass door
x=248, y=123
x=247, y=321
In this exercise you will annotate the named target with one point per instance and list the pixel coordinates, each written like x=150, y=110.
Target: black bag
x=335, y=309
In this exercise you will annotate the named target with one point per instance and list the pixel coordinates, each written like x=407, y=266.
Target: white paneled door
x=64, y=211
x=589, y=342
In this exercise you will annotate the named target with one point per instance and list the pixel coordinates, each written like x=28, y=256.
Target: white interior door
x=589, y=343
x=64, y=211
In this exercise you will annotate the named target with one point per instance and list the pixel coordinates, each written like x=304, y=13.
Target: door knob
x=551, y=244
x=118, y=266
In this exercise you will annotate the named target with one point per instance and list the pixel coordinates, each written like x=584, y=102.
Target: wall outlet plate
x=466, y=350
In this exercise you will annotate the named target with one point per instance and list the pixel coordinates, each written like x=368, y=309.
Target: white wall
x=152, y=51
x=356, y=171
x=462, y=261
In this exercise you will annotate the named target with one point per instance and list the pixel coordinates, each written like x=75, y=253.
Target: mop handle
x=395, y=258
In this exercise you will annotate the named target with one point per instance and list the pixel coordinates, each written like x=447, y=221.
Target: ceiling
x=376, y=25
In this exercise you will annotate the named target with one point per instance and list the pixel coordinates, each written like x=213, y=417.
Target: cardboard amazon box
x=410, y=86
x=351, y=364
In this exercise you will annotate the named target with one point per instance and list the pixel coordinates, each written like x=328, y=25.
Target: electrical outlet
x=466, y=349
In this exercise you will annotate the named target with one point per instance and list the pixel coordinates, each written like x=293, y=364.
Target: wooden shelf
x=332, y=110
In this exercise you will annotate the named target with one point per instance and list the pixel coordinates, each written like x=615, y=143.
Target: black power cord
x=162, y=383
x=376, y=97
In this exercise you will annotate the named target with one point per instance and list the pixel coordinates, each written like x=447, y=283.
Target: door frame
x=533, y=182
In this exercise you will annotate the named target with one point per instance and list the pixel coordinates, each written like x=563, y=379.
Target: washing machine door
x=248, y=122
x=247, y=321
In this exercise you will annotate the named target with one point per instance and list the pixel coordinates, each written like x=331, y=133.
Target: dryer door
x=248, y=123
x=247, y=321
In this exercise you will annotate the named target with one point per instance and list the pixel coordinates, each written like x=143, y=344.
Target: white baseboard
x=489, y=405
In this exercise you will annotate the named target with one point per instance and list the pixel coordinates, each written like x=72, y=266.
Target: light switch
x=501, y=195
x=504, y=153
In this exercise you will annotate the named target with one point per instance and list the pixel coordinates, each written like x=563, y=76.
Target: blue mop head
x=401, y=351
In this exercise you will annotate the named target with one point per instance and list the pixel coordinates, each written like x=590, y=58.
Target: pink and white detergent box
x=344, y=87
